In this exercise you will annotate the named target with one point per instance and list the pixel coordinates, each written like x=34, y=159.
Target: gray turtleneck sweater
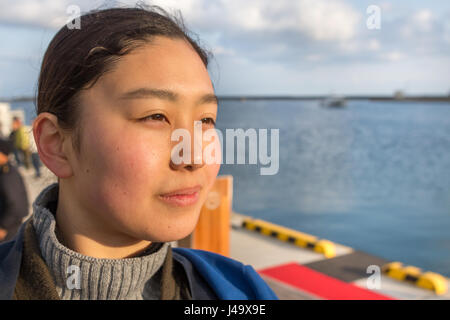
x=130, y=278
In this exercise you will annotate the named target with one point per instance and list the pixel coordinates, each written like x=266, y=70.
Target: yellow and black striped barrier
x=427, y=280
x=297, y=238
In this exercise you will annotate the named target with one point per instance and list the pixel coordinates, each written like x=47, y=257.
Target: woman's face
x=128, y=117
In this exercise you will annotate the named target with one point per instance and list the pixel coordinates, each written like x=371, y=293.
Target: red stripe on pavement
x=320, y=284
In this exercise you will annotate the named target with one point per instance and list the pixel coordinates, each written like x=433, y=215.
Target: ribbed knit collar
x=129, y=278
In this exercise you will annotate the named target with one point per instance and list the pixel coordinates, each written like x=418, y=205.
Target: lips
x=181, y=197
x=185, y=191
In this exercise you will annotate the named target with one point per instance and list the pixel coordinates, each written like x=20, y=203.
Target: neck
x=87, y=233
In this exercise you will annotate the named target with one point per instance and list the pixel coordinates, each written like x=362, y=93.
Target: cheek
x=136, y=166
x=212, y=153
x=124, y=167
x=212, y=171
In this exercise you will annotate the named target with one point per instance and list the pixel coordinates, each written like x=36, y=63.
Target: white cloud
x=317, y=19
x=332, y=20
x=314, y=57
x=220, y=50
x=423, y=20
x=31, y=12
x=42, y=13
x=327, y=20
x=191, y=9
x=349, y=47
x=290, y=36
x=446, y=33
x=373, y=45
x=393, y=56
x=386, y=6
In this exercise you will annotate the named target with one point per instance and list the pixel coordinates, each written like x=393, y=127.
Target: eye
x=156, y=117
x=209, y=121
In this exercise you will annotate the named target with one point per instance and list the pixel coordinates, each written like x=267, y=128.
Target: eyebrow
x=145, y=93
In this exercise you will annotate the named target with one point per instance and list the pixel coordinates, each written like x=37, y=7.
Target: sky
x=266, y=47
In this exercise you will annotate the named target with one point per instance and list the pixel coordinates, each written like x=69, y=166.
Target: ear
x=53, y=144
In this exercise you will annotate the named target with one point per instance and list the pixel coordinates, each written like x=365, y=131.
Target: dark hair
x=76, y=58
x=6, y=146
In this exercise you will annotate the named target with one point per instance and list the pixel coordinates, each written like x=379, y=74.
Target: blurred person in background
x=21, y=143
x=14, y=203
x=1, y=131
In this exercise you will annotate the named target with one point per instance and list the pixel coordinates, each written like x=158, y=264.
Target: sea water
x=373, y=175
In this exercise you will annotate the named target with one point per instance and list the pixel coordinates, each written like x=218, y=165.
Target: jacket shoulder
x=228, y=278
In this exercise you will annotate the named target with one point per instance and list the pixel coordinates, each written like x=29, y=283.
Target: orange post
x=212, y=232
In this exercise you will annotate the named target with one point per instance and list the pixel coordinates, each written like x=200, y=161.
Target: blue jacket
x=210, y=275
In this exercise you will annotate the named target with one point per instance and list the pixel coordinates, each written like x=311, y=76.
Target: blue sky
x=266, y=47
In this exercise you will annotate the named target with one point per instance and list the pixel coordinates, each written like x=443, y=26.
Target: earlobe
x=50, y=141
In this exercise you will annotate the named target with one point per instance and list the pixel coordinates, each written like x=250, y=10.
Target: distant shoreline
x=373, y=98
x=311, y=97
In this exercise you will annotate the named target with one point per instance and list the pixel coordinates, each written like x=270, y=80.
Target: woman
x=110, y=95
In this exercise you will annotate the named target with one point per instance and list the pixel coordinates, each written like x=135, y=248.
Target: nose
x=193, y=146
x=184, y=165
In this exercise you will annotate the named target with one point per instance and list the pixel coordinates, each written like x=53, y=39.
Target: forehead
x=163, y=63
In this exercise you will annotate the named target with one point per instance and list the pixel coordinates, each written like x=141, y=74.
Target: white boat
x=334, y=101
x=6, y=116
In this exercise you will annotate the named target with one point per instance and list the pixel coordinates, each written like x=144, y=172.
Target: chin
x=168, y=237
x=169, y=232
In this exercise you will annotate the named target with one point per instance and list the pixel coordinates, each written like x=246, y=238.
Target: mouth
x=182, y=197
